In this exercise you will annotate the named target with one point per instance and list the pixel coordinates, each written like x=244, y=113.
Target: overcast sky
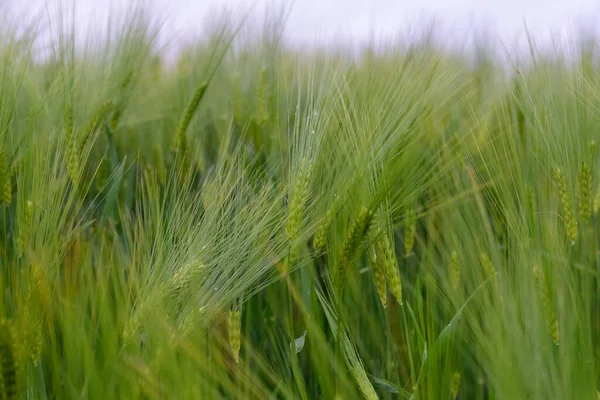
x=325, y=20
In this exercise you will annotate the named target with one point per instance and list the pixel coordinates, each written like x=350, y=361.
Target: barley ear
x=585, y=191
x=94, y=123
x=487, y=265
x=390, y=267
x=566, y=205
x=263, y=115
x=357, y=369
x=455, y=385
x=187, y=116
x=37, y=339
x=298, y=199
x=377, y=266
x=180, y=145
x=122, y=103
x=73, y=158
x=547, y=303
x=320, y=238
x=234, y=323
x=297, y=204
x=32, y=322
x=354, y=238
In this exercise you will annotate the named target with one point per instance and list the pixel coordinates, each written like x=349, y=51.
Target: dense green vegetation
x=256, y=222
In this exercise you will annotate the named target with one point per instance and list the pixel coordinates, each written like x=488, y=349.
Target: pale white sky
x=326, y=20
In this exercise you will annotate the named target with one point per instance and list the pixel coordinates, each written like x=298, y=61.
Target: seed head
x=547, y=303
x=378, y=268
x=298, y=200
x=350, y=247
x=486, y=264
x=234, y=323
x=566, y=205
x=585, y=192
x=319, y=240
x=263, y=115
x=390, y=266
x=455, y=385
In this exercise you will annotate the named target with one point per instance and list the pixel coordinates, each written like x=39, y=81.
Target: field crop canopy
x=245, y=219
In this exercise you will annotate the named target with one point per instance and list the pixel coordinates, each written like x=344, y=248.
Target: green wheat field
x=253, y=221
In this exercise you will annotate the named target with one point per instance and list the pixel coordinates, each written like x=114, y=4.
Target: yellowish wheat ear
x=234, y=323
x=36, y=339
x=455, y=385
x=282, y=267
x=566, y=205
